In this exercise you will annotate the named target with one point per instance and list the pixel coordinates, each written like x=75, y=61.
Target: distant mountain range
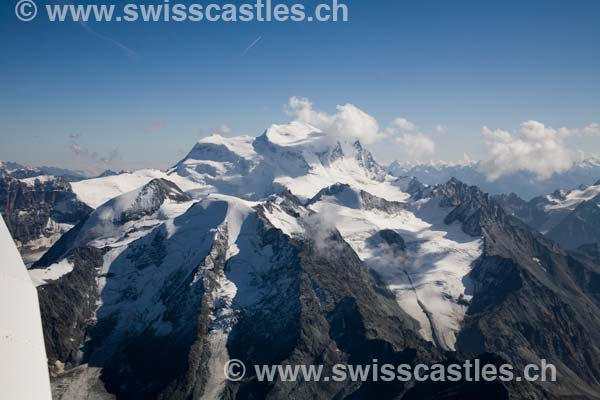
x=524, y=184
x=296, y=247
x=18, y=171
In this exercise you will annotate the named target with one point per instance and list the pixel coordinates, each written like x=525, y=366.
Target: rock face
x=38, y=211
x=150, y=199
x=23, y=374
x=532, y=212
x=388, y=238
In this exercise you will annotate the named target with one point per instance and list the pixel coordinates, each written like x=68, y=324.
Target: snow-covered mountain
x=297, y=156
x=296, y=247
x=524, y=184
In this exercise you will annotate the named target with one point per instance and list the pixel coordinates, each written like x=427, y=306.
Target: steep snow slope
x=23, y=374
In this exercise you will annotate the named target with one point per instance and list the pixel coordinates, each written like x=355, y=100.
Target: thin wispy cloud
x=222, y=129
x=129, y=51
x=258, y=39
x=155, y=126
x=91, y=157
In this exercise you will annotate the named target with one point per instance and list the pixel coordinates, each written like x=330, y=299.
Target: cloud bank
x=350, y=122
x=537, y=148
x=534, y=148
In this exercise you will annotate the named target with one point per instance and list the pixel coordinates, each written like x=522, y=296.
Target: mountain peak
x=148, y=199
x=365, y=159
x=216, y=147
x=296, y=134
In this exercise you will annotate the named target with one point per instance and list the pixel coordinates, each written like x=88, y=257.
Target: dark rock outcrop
x=150, y=199
x=36, y=213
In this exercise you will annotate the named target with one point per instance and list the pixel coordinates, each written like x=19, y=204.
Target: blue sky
x=462, y=64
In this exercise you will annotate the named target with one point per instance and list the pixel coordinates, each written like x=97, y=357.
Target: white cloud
x=416, y=146
x=403, y=124
x=129, y=51
x=77, y=149
x=592, y=129
x=440, y=129
x=498, y=134
x=413, y=144
x=348, y=121
x=223, y=129
x=90, y=156
x=538, y=149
